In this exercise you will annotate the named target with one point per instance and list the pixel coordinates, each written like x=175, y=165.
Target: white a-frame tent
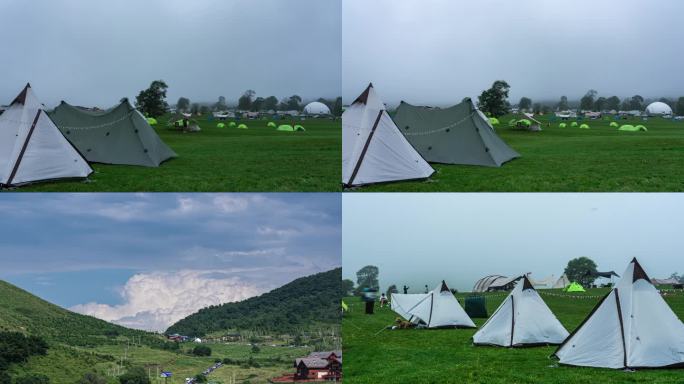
x=373, y=148
x=440, y=309
x=402, y=302
x=562, y=282
x=631, y=327
x=523, y=319
x=32, y=148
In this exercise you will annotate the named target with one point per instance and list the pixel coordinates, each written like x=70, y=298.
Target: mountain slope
x=23, y=312
x=302, y=303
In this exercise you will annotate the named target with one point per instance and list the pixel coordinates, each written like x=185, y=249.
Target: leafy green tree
x=680, y=106
x=636, y=103
x=270, y=103
x=563, y=104
x=525, y=103
x=347, y=286
x=298, y=340
x=367, y=277
x=245, y=101
x=135, y=375
x=200, y=378
x=677, y=277
x=152, y=101
x=195, y=108
x=294, y=103
x=258, y=104
x=624, y=106
x=579, y=269
x=600, y=104
x=5, y=378
x=204, y=109
x=536, y=108
x=337, y=107
x=587, y=101
x=255, y=348
x=183, y=104
x=495, y=99
x=33, y=379
x=221, y=105
x=201, y=350
x=92, y=378
x=613, y=103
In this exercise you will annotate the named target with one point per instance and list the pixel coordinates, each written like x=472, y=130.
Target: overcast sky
x=148, y=260
x=438, y=51
x=91, y=54
x=422, y=238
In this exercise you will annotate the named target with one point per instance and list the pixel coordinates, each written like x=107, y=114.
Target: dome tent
x=285, y=128
x=494, y=121
x=232, y=124
x=271, y=124
x=614, y=124
x=630, y=327
x=574, y=124
x=460, y=134
x=316, y=108
x=242, y=126
x=220, y=125
x=151, y=121
x=522, y=319
x=562, y=125
x=32, y=148
x=373, y=148
x=584, y=126
x=299, y=128
x=119, y=135
x=658, y=108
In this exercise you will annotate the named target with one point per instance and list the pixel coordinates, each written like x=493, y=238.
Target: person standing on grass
x=426, y=288
x=406, y=289
x=383, y=300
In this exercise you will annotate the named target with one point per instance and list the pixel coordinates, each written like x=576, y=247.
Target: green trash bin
x=476, y=306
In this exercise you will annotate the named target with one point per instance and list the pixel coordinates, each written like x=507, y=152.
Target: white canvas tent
x=373, y=149
x=402, y=302
x=631, y=327
x=440, y=309
x=522, y=319
x=562, y=282
x=32, y=148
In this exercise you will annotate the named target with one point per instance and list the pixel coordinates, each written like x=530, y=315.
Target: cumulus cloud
x=153, y=301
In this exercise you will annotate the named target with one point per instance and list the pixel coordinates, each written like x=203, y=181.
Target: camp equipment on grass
x=574, y=124
x=271, y=124
x=119, y=135
x=562, y=125
x=494, y=121
x=232, y=124
x=373, y=148
x=299, y=128
x=584, y=126
x=440, y=309
x=522, y=319
x=242, y=126
x=285, y=128
x=220, y=125
x=31, y=146
x=614, y=124
x=631, y=327
x=460, y=134
x=151, y=121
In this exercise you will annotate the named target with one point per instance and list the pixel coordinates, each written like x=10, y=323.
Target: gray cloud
x=96, y=54
x=439, y=51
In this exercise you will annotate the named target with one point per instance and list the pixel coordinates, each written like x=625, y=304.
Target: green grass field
x=374, y=354
x=599, y=159
x=228, y=160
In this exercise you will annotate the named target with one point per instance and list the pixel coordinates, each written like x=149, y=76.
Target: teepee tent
x=373, y=149
x=402, y=302
x=631, y=327
x=119, y=135
x=440, y=309
x=461, y=134
x=562, y=282
x=575, y=287
x=523, y=319
x=32, y=148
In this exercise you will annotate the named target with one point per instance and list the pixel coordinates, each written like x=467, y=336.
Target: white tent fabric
x=522, y=319
x=562, y=282
x=631, y=327
x=439, y=309
x=316, y=108
x=402, y=302
x=373, y=149
x=32, y=148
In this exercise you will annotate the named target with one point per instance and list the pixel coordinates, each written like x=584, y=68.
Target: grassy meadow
x=374, y=354
x=227, y=160
x=600, y=159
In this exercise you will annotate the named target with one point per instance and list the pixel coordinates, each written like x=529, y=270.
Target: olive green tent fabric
x=285, y=128
x=460, y=134
x=120, y=135
x=575, y=287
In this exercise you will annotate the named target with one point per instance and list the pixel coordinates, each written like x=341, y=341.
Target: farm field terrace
x=374, y=354
x=227, y=160
x=600, y=159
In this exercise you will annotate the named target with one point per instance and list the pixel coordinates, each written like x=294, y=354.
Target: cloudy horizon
x=437, y=52
x=146, y=261
x=201, y=49
x=423, y=238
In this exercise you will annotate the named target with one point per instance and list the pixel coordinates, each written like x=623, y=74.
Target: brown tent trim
x=21, y=98
x=639, y=272
x=527, y=284
x=622, y=328
x=512, y=320
x=363, y=97
x=365, y=149
x=432, y=302
x=444, y=287
x=23, y=148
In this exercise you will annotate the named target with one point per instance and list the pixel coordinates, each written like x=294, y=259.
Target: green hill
x=301, y=304
x=23, y=312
